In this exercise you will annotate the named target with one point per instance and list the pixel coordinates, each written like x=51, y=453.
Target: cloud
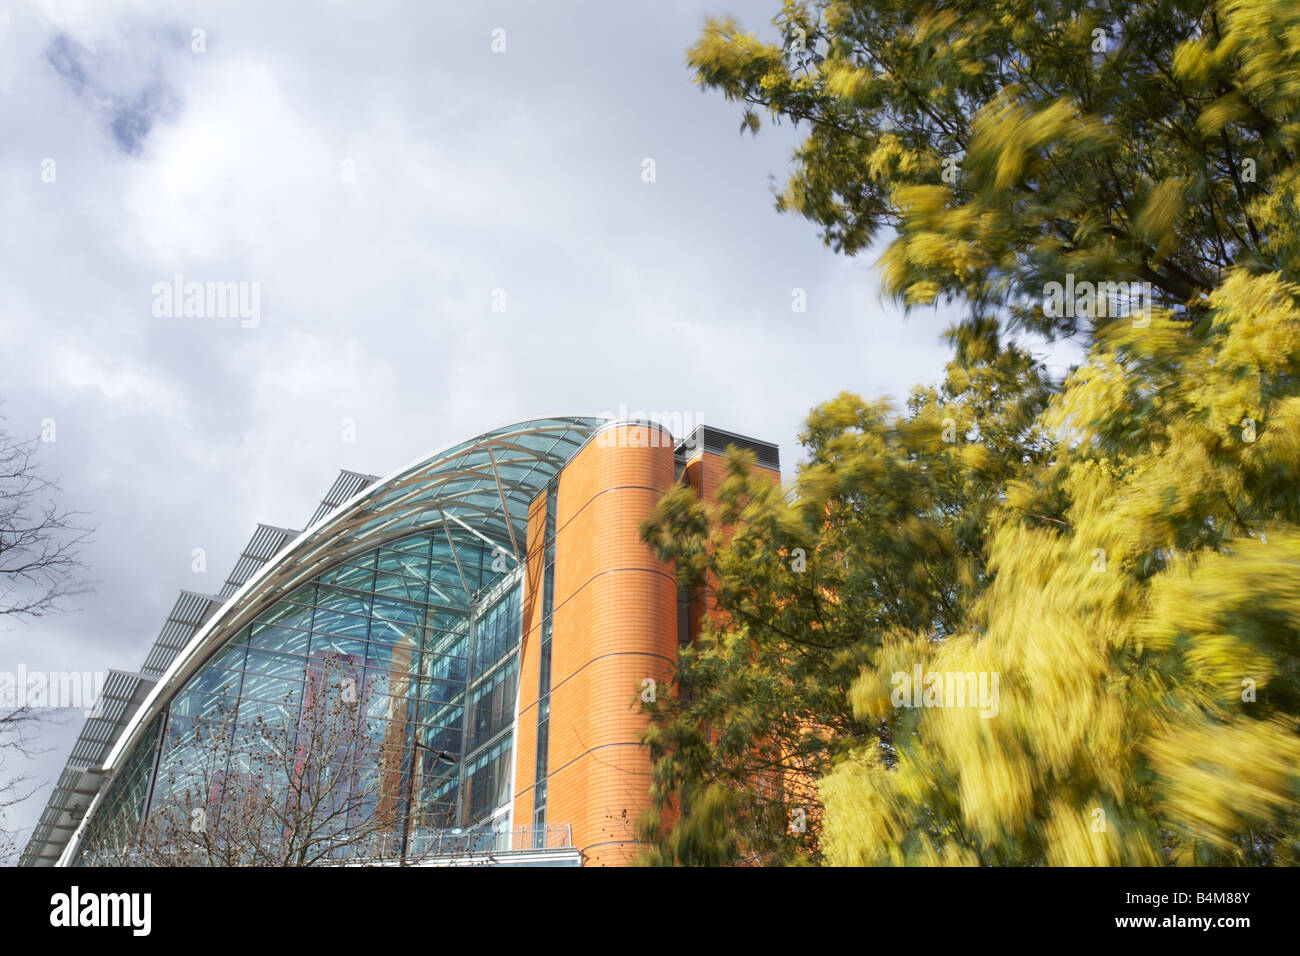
x=66, y=56
x=128, y=109
x=133, y=120
x=119, y=386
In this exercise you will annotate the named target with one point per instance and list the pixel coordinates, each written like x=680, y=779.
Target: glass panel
x=392, y=632
x=382, y=706
x=400, y=586
x=337, y=599
x=282, y=639
x=303, y=595
x=418, y=543
x=342, y=625
x=444, y=739
x=440, y=690
x=326, y=644
x=401, y=612
x=496, y=631
x=449, y=621
x=278, y=689
x=217, y=681
x=487, y=781
x=394, y=681
x=275, y=665
x=493, y=706
x=400, y=562
x=350, y=576
x=231, y=658
x=277, y=715
x=289, y=615
x=445, y=668
x=196, y=703
x=444, y=642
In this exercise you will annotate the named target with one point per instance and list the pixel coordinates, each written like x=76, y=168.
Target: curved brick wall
x=615, y=624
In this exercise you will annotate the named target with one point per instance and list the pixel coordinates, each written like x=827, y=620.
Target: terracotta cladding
x=692, y=474
x=614, y=627
x=705, y=473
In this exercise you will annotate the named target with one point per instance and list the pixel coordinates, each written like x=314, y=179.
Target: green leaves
x=1133, y=154
x=1121, y=549
x=884, y=537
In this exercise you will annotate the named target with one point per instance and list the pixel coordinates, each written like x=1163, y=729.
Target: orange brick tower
x=602, y=623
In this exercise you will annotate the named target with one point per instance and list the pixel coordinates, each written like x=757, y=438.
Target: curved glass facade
x=385, y=632
x=361, y=692
x=373, y=702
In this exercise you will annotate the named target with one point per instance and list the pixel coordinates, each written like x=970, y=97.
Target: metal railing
x=477, y=844
x=525, y=838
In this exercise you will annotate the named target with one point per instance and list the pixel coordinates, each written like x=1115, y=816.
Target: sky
x=443, y=238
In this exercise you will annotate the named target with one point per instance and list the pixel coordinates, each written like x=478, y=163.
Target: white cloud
x=121, y=385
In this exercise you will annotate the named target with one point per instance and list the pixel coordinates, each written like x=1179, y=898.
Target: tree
x=1010, y=143
x=1143, y=617
x=1120, y=551
x=40, y=567
x=17, y=725
x=40, y=543
x=320, y=782
x=885, y=532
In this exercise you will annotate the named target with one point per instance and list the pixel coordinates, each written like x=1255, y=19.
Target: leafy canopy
x=1122, y=549
x=1117, y=141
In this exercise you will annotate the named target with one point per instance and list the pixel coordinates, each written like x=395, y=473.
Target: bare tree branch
x=40, y=543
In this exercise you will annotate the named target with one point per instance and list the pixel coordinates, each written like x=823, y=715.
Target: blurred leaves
x=882, y=538
x=1121, y=548
x=1147, y=158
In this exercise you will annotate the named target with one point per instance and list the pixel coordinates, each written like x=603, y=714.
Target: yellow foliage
x=1145, y=646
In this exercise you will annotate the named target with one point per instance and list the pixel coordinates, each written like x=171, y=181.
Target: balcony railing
x=524, y=838
x=481, y=844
